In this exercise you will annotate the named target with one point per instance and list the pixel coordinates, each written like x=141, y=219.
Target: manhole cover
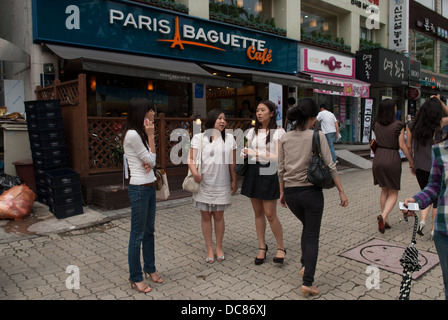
x=386, y=255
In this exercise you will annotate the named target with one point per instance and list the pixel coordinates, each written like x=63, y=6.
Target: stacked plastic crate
x=56, y=185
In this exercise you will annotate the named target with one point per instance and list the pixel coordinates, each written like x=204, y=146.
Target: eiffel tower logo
x=177, y=41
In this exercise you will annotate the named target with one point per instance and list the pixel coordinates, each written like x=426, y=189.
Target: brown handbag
x=373, y=145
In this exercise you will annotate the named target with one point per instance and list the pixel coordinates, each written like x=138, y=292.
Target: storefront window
x=235, y=103
x=108, y=95
x=317, y=23
x=244, y=9
x=366, y=34
x=444, y=58
x=445, y=8
x=427, y=3
x=425, y=50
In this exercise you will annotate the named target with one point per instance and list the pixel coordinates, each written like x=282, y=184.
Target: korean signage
x=435, y=82
x=142, y=29
x=367, y=120
x=427, y=25
x=379, y=65
x=351, y=88
x=326, y=63
x=398, y=25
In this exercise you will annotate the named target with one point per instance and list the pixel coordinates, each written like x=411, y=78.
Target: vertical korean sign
x=367, y=121
x=399, y=25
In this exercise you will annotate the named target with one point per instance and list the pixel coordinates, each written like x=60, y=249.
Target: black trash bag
x=7, y=182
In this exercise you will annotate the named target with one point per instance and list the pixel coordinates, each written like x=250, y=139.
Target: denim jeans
x=331, y=137
x=441, y=243
x=143, y=213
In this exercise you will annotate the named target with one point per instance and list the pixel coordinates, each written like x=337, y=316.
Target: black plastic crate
x=62, y=177
x=46, y=134
x=49, y=152
x=43, y=198
x=45, y=114
x=35, y=105
x=47, y=124
x=40, y=179
x=44, y=169
x=64, y=190
x=66, y=199
x=41, y=189
x=47, y=143
x=50, y=162
x=66, y=211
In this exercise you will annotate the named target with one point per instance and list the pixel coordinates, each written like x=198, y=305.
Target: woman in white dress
x=217, y=178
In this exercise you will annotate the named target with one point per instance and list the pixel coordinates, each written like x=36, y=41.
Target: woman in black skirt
x=260, y=182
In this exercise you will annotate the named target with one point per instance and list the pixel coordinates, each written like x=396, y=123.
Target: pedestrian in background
x=260, y=182
x=291, y=104
x=386, y=167
x=425, y=131
x=217, y=179
x=436, y=190
x=138, y=145
x=330, y=127
x=305, y=200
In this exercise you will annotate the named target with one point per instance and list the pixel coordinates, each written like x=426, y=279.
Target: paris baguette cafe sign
x=142, y=29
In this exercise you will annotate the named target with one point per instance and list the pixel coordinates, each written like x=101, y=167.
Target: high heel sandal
x=312, y=291
x=157, y=280
x=277, y=259
x=259, y=261
x=144, y=290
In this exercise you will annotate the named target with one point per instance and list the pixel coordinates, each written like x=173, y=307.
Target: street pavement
x=85, y=257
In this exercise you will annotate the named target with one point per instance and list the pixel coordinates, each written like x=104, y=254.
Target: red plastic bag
x=16, y=203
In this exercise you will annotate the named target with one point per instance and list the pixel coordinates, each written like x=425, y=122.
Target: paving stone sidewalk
x=43, y=266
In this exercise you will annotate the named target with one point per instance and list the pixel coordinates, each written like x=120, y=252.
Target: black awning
x=266, y=77
x=142, y=66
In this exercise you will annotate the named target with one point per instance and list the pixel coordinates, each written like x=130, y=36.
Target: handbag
x=189, y=184
x=162, y=187
x=318, y=172
x=241, y=168
x=373, y=145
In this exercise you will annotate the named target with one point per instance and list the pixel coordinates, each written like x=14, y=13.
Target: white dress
x=215, y=190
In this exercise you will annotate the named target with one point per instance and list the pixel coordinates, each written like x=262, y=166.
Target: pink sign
x=351, y=88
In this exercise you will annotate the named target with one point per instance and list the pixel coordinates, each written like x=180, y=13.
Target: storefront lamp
x=150, y=85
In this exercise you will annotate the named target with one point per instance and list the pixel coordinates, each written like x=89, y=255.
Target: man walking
x=329, y=126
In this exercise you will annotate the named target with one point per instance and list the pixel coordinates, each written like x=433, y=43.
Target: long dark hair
x=427, y=121
x=272, y=123
x=306, y=109
x=386, y=112
x=137, y=109
x=210, y=121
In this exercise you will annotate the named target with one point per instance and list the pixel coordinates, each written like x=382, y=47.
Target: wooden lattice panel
x=104, y=143
x=68, y=93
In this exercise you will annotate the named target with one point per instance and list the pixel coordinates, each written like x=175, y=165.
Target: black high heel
x=277, y=259
x=259, y=261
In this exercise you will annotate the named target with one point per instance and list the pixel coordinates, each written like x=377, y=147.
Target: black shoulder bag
x=318, y=171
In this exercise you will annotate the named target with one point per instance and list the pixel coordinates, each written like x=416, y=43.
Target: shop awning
x=10, y=52
x=350, y=87
x=265, y=77
x=142, y=66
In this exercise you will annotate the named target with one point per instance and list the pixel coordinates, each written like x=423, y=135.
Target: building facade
x=190, y=56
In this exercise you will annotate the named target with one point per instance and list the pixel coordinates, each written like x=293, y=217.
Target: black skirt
x=261, y=186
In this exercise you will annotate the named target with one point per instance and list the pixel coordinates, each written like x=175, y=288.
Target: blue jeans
x=331, y=137
x=143, y=213
x=441, y=243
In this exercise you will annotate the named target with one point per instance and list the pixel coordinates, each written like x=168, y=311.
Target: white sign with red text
x=327, y=63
